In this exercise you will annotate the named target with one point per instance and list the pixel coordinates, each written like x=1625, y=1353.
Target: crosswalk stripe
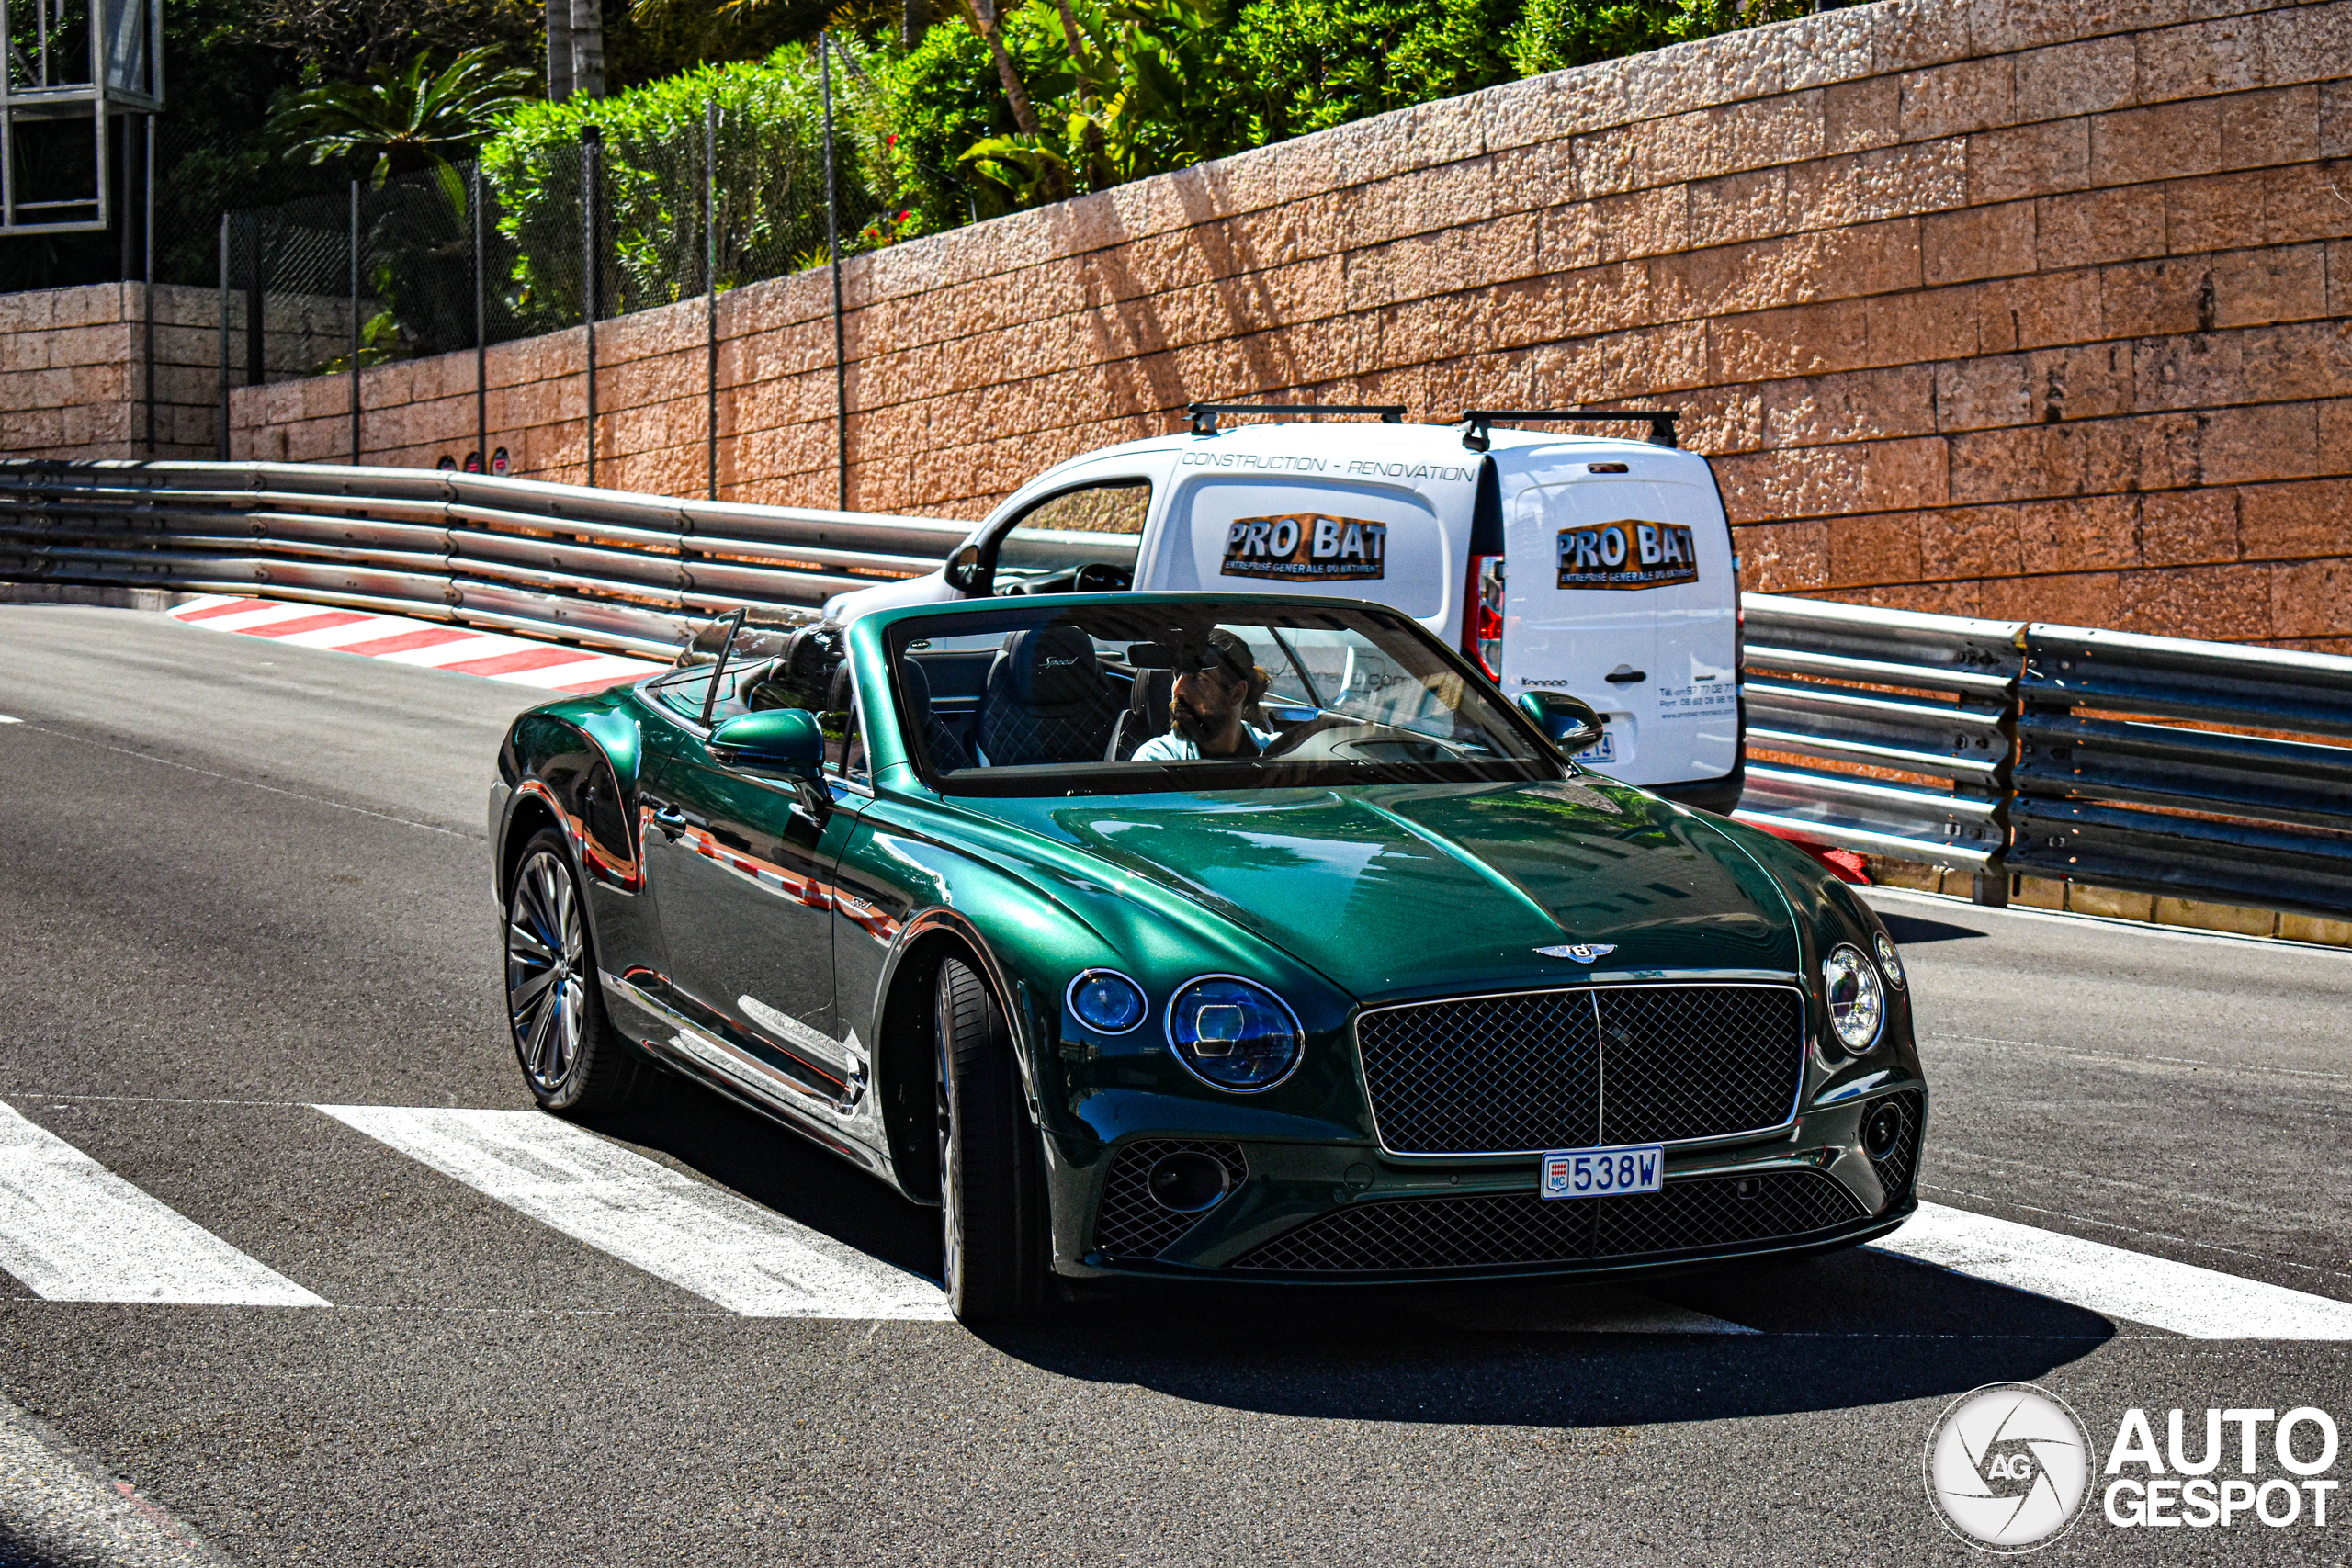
x=71, y=1230
x=2181, y=1298
x=702, y=1239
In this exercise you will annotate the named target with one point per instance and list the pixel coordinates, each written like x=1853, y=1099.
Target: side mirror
x=777, y=741
x=1567, y=722
x=965, y=572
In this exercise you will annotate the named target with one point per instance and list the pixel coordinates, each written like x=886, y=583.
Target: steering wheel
x=1101, y=577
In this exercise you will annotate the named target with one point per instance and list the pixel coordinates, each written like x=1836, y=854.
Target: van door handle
x=1625, y=677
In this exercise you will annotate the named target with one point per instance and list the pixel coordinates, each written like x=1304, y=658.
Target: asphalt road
x=237, y=880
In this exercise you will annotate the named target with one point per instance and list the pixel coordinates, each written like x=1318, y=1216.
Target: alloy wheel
x=545, y=980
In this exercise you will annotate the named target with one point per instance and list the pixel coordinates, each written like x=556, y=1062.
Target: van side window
x=1082, y=540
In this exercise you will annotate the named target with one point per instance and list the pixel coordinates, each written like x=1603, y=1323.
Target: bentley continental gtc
x=1201, y=937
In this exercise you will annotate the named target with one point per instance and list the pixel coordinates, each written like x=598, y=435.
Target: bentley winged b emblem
x=1583, y=952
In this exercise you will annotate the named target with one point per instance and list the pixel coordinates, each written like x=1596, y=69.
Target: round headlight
x=1888, y=959
x=1233, y=1033
x=1107, y=1001
x=1857, y=1004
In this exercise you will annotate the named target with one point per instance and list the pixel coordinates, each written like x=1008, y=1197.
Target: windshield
x=1186, y=695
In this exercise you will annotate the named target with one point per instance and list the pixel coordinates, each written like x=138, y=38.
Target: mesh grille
x=1571, y=1069
x=1713, y=1212
x=1895, y=1171
x=1520, y=1228
x=1131, y=1222
x=1696, y=1061
x=1520, y=1072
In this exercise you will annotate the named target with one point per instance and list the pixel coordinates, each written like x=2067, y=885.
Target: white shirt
x=1175, y=748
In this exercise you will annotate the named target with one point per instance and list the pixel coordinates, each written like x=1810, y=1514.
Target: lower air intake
x=1503, y=1230
x=1898, y=1167
x=1132, y=1225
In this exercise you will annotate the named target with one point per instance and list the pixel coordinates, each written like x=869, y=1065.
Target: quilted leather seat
x=946, y=752
x=1046, y=700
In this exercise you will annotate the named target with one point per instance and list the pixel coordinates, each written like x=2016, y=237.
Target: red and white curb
x=434, y=646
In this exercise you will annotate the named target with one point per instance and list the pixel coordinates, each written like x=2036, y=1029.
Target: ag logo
x=1583, y=952
x=2007, y=1467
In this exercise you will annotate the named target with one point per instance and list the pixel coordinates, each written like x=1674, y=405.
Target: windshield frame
x=1199, y=775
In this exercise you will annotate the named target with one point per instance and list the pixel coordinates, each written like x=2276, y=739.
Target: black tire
x=573, y=1061
x=991, y=1196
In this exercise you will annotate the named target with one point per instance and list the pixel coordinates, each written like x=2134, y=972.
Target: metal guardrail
x=2169, y=766
x=604, y=567
x=2200, y=769
x=2155, y=764
x=1906, y=724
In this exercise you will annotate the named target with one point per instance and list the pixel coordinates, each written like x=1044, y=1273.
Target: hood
x=1400, y=889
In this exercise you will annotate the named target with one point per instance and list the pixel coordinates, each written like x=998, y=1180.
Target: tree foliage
x=396, y=119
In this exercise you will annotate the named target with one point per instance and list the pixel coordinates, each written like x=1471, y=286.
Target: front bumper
x=1346, y=1212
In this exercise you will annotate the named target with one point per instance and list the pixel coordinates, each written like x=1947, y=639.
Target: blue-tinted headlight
x=1233, y=1033
x=1107, y=1001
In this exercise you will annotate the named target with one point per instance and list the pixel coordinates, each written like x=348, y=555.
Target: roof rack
x=1481, y=421
x=1204, y=416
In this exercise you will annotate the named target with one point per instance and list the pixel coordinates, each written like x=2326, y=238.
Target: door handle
x=1625, y=677
x=672, y=822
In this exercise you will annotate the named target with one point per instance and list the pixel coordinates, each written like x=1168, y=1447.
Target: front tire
x=992, y=1197
x=573, y=1061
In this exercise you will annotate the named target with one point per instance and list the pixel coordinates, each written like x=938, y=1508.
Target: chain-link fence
x=543, y=236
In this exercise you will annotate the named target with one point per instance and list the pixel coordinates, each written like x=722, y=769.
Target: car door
x=744, y=866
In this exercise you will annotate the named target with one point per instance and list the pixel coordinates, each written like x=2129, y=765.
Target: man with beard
x=1212, y=691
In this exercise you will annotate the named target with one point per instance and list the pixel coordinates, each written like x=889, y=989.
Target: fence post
x=223, y=442
x=591, y=140
x=147, y=236
x=354, y=323
x=833, y=249
x=481, y=328
x=710, y=280
x=256, y=372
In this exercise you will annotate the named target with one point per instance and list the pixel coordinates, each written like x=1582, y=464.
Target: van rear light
x=1482, y=620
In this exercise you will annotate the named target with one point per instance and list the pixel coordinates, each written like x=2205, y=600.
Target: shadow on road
x=1908, y=930
x=1849, y=1329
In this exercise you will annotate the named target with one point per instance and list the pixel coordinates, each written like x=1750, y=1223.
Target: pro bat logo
x=1631, y=554
x=1305, y=546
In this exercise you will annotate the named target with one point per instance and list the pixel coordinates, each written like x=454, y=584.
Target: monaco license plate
x=1603, y=1173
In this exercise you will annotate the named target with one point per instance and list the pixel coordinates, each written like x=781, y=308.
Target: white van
x=1593, y=564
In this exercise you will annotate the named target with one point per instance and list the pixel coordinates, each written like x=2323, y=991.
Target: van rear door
x=1621, y=591
x=1384, y=543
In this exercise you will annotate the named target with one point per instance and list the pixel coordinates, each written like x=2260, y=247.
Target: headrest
x=1052, y=667
x=915, y=685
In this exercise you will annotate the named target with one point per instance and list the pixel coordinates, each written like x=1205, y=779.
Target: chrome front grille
x=1520, y=1229
x=1534, y=1070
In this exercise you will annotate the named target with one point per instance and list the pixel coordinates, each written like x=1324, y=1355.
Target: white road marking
x=1572, y=1309
x=700, y=1237
x=1960, y=909
x=9, y=718
x=2181, y=1298
x=74, y=1231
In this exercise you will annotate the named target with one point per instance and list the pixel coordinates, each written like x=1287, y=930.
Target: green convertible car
x=1201, y=937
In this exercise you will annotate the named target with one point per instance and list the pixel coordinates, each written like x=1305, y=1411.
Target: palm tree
x=403, y=118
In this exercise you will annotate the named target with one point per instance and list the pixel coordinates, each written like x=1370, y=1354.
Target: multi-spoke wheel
x=991, y=1196
x=571, y=1057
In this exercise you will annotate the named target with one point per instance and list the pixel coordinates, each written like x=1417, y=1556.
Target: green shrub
x=1555, y=34
x=771, y=181
x=1310, y=64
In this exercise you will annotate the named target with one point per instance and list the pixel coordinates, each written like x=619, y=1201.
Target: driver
x=1216, y=688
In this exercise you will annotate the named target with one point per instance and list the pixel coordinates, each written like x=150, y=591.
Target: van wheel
x=991, y=1194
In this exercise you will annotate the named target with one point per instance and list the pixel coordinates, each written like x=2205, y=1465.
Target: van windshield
x=1192, y=694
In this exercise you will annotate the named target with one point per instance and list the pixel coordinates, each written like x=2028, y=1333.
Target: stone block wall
x=72, y=378
x=2016, y=308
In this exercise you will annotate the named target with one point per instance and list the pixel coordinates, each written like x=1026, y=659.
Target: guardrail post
x=223, y=441
x=482, y=324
